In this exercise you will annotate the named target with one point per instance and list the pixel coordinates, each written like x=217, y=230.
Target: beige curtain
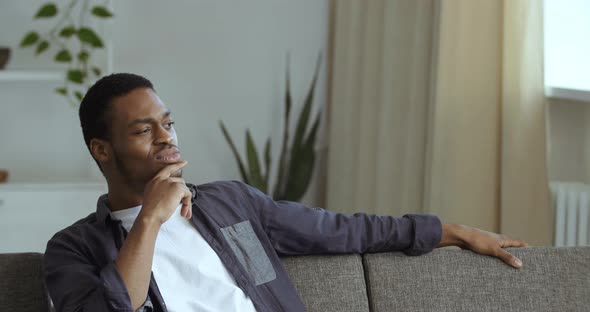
x=525, y=207
x=381, y=54
x=438, y=107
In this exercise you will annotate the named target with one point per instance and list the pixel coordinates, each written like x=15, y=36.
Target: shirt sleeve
x=295, y=229
x=75, y=284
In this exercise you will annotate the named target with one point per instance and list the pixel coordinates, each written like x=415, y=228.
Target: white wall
x=208, y=60
x=569, y=141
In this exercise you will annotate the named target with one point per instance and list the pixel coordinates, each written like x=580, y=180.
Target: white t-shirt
x=190, y=275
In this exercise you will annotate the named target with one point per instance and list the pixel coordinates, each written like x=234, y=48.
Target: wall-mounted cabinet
x=30, y=214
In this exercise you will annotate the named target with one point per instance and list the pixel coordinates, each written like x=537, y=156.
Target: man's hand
x=482, y=242
x=163, y=194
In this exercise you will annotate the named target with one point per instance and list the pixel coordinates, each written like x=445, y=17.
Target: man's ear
x=100, y=149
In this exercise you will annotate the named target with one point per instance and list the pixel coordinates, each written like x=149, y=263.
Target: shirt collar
x=103, y=211
x=102, y=208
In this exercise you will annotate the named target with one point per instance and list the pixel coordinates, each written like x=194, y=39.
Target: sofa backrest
x=22, y=288
x=552, y=279
x=325, y=283
x=329, y=283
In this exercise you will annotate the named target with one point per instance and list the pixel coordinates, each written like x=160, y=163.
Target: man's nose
x=164, y=137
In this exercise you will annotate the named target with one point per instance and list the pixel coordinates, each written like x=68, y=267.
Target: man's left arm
x=295, y=229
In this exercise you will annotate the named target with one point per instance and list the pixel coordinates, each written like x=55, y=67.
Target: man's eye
x=146, y=130
x=169, y=124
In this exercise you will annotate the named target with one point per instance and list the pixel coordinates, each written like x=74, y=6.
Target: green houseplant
x=74, y=40
x=297, y=156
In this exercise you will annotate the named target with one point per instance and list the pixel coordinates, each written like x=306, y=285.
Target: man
x=157, y=243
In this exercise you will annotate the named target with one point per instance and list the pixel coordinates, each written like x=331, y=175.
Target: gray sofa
x=553, y=279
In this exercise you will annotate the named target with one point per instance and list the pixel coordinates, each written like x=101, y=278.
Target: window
x=567, y=49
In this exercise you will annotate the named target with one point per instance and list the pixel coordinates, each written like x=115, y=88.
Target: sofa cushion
x=329, y=283
x=22, y=288
x=552, y=279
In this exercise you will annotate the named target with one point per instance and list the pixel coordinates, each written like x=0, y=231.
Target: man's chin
x=159, y=166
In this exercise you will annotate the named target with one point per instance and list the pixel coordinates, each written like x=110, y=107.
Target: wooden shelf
x=81, y=186
x=31, y=75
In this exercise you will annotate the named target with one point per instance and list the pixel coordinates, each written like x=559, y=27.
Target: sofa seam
x=367, y=282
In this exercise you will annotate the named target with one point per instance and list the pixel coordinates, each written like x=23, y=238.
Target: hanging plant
x=74, y=42
x=297, y=158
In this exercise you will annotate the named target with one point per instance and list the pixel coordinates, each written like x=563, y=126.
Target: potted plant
x=297, y=157
x=74, y=41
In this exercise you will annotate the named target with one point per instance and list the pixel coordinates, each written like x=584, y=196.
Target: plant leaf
x=304, y=115
x=311, y=137
x=101, y=11
x=288, y=98
x=267, y=161
x=78, y=95
x=63, y=56
x=302, y=158
x=29, y=39
x=302, y=164
x=67, y=31
x=300, y=173
x=280, y=182
x=96, y=71
x=62, y=91
x=235, y=152
x=47, y=10
x=254, y=164
x=83, y=56
x=278, y=191
x=43, y=45
x=88, y=35
x=75, y=75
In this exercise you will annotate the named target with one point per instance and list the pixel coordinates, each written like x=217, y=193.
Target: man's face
x=143, y=138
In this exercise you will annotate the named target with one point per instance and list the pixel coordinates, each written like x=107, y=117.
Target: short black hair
x=97, y=102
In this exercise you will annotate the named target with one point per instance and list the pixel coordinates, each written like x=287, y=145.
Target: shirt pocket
x=248, y=249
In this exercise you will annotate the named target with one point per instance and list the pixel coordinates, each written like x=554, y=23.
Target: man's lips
x=168, y=157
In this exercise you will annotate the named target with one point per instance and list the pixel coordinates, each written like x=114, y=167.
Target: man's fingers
x=516, y=243
x=167, y=171
x=186, y=201
x=509, y=258
x=508, y=242
x=186, y=210
x=177, y=180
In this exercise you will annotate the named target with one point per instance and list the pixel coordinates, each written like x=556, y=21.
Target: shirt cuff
x=427, y=233
x=115, y=290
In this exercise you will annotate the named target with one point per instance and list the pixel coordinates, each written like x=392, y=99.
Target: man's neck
x=123, y=197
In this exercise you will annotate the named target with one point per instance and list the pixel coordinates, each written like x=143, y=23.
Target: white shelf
x=82, y=186
x=30, y=75
x=567, y=93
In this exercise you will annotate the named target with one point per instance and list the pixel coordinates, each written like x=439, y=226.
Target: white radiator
x=572, y=213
